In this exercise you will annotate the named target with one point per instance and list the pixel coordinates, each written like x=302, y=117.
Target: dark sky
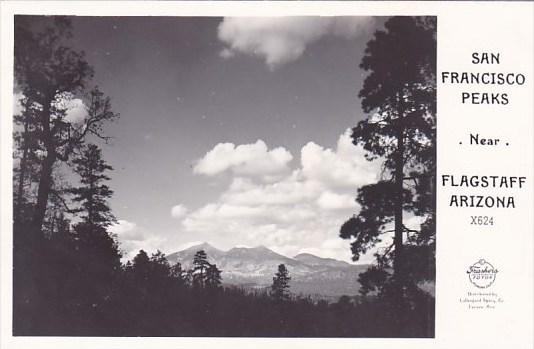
x=179, y=98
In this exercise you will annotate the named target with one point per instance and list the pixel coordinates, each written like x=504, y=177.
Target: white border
x=479, y=13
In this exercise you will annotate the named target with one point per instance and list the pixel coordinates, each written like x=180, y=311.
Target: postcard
x=271, y=174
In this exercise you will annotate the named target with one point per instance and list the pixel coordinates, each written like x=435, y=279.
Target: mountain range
x=255, y=267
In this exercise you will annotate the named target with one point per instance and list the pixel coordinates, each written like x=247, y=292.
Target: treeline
x=150, y=297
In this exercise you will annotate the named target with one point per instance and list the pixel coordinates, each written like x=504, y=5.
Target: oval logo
x=482, y=274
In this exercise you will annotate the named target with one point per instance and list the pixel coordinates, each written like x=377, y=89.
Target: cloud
x=17, y=106
x=178, y=211
x=280, y=40
x=74, y=108
x=304, y=208
x=292, y=190
x=333, y=201
x=126, y=230
x=133, y=238
x=246, y=159
x=76, y=111
x=345, y=167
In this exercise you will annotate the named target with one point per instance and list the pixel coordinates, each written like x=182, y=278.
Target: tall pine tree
x=200, y=267
x=280, y=286
x=48, y=74
x=98, y=253
x=213, y=277
x=399, y=95
x=94, y=193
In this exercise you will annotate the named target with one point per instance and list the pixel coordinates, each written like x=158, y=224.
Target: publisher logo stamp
x=482, y=274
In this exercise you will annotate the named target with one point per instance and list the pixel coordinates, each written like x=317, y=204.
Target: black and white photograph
x=224, y=176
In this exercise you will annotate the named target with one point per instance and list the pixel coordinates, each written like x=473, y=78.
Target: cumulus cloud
x=126, y=230
x=279, y=40
x=76, y=111
x=302, y=209
x=332, y=201
x=289, y=191
x=74, y=108
x=178, y=211
x=345, y=167
x=246, y=159
x=133, y=238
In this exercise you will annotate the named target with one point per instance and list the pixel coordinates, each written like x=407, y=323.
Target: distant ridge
x=311, y=259
x=255, y=267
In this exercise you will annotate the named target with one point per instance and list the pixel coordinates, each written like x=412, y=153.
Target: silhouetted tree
x=49, y=74
x=93, y=194
x=141, y=266
x=200, y=266
x=399, y=96
x=178, y=273
x=213, y=277
x=160, y=267
x=97, y=252
x=96, y=214
x=25, y=173
x=280, y=286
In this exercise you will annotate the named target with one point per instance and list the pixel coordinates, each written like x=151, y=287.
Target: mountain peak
x=187, y=255
x=205, y=246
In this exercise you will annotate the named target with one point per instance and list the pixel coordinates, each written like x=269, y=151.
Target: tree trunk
x=399, y=200
x=45, y=178
x=22, y=174
x=399, y=276
x=45, y=184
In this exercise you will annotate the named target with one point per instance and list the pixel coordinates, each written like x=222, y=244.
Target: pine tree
x=47, y=72
x=177, y=270
x=178, y=274
x=280, y=286
x=98, y=252
x=213, y=277
x=200, y=267
x=26, y=151
x=93, y=195
x=141, y=266
x=160, y=272
x=399, y=94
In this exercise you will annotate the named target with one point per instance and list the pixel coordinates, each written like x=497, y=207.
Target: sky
x=232, y=131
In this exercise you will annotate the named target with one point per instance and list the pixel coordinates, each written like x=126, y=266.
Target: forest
x=69, y=278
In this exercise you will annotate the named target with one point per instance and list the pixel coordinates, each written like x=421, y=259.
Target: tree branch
x=63, y=202
x=389, y=249
x=409, y=230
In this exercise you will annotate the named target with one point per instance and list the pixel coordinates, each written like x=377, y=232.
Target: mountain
x=185, y=257
x=255, y=268
x=311, y=259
